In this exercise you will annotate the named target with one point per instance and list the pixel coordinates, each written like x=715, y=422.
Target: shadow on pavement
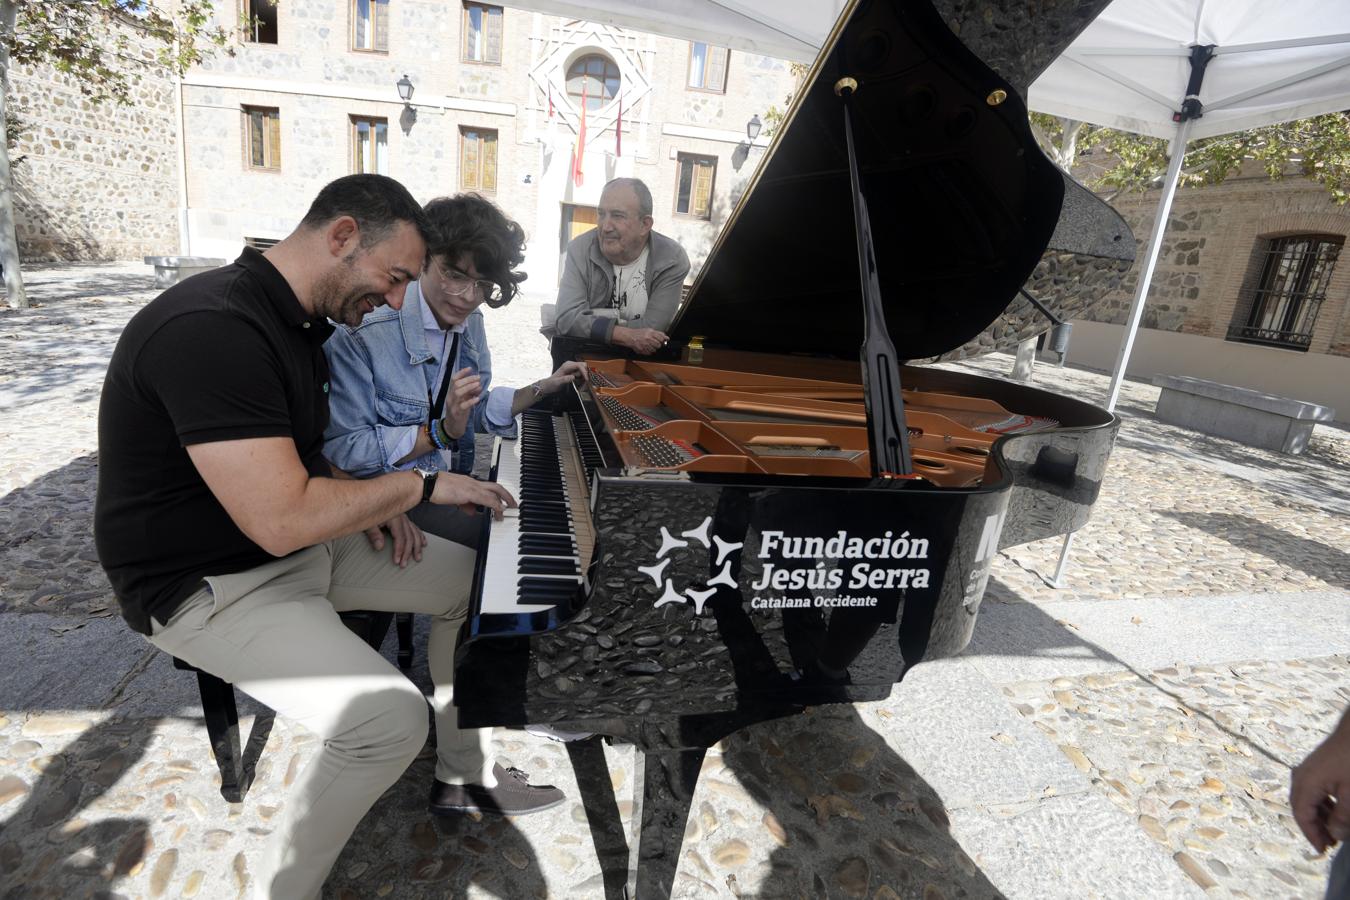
x=47, y=849
x=850, y=814
x=1317, y=559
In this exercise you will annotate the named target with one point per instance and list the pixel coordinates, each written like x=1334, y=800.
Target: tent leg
x=1178, y=154
x=1058, y=581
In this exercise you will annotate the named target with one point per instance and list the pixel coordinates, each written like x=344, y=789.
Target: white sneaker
x=557, y=734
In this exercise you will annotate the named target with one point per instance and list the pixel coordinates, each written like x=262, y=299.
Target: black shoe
x=513, y=795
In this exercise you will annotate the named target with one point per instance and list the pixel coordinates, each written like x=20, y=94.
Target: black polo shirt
x=225, y=355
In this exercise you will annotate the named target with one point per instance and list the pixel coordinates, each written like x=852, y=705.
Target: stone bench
x=169, y=270
x=1240, y=414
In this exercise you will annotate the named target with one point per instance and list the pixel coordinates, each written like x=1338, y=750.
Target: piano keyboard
x=537, y=553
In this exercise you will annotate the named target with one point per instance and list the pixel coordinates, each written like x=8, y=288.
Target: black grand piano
x=783, y=511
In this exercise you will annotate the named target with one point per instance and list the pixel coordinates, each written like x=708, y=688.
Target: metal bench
x=1240, y=414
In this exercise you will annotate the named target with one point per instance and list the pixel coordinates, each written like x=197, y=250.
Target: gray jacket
x=588, y=284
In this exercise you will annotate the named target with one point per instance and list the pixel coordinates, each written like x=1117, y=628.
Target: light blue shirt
x=382, y=373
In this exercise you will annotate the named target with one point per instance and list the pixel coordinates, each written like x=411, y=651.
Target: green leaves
x=1317, y=148
x=107, y=45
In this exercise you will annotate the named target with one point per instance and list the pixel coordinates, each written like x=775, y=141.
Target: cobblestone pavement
x=1141, y=778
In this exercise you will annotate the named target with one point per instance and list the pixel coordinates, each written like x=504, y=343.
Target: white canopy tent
x=1134, y=69
x=1189, y=69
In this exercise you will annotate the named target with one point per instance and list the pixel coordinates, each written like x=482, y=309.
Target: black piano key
x=542, y=566
x=545, y=545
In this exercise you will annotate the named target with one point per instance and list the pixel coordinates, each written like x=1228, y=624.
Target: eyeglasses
x=459, y=284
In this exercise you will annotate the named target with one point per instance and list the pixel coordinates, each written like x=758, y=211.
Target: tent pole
x=1178, y=154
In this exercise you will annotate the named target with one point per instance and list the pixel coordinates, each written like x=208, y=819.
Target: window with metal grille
x=478, y=159
x=694, y=186
x=1292, y=282
x=594, y=77
x=708, y=67
x=370, y=145
x=260, y=21
x=262, y=129
x=370, y=25
x=482, y=33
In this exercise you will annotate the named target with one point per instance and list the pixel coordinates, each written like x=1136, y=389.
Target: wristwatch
x=428, y=481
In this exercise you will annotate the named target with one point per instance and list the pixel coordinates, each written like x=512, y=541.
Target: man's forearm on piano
x=527, y=396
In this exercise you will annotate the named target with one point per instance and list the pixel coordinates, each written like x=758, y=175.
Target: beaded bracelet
x=444, y=436
x=432, y=435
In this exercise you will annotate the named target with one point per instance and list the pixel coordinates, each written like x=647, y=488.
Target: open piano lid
x=963, y=204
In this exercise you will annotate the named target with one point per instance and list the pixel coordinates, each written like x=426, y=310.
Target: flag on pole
x=618, y=131
x=577, y=175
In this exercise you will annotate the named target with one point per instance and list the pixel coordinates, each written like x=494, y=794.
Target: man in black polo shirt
x=229, y=545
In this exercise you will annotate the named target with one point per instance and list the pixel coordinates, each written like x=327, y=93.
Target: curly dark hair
x=472, y=224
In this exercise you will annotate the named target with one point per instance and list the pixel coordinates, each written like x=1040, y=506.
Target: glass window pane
x=361, y=37
x=685, y=186
x=255, y=139
x=381, y=28
x=274, y=139
x=382, y=148
x=697, y=61
x=475, y=35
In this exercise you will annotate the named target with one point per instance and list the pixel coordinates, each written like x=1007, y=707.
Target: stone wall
x=1208, y=263
x=97, y=181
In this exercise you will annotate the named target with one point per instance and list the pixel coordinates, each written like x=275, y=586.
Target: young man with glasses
x=410, y=389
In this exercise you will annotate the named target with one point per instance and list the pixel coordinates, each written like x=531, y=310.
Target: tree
x=106, y=46
x=1317, y=148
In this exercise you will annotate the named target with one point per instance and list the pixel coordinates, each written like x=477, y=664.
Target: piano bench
x=222, y=715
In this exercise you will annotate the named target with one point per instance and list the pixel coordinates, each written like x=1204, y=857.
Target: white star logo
x=670, y=543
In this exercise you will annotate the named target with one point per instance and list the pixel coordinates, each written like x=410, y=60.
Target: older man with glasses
x=410, y=389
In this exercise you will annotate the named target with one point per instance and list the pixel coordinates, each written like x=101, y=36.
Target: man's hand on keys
x=470, y=493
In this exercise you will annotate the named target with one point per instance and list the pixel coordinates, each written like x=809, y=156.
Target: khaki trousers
x=274, y=632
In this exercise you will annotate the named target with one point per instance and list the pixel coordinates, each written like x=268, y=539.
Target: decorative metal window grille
x=1293, y=282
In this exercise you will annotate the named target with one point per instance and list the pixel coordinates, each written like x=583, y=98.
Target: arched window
x=594, y=77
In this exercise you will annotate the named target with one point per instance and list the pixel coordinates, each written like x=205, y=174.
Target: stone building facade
x=97, y=180
x=1220, y=249
x=319, y=88
x=1212, y=256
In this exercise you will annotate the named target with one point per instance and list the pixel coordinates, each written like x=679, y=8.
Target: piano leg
x=659, y=817
x=602, y=814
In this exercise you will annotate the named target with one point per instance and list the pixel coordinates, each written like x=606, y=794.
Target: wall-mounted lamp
x=751, y=128
x=405, y=90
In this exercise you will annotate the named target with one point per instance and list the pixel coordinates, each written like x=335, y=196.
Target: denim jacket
x=381, y=373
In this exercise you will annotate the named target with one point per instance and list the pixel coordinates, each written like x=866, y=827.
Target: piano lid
x=963, y=204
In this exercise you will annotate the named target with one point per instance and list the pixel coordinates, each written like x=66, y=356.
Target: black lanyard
x=449, y=359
